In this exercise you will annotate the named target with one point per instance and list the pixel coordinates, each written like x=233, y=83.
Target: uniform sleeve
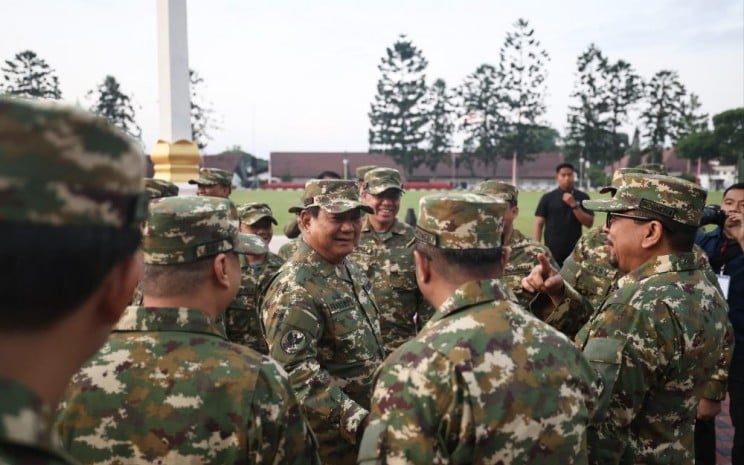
x=294, y=327
x=569, y=316
x=715, y=388
x=416, y=407
x=280, y=434
x=626, y=350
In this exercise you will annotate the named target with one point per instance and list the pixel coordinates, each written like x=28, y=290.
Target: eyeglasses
x=611, y=215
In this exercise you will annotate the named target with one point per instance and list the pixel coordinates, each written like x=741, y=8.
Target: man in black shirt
x=561, y=214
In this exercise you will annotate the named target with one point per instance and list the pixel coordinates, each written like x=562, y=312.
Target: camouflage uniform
x=388, y=263
x=213, y=177
x=656, y=340
x=168, y=387
x=59, y=167
x=484, y=381
x=289, y=248
x=26, y=434
x=242, y=319
x=523, y=249
x=323, y=326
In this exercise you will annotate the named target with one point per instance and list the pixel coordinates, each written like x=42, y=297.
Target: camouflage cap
x=361, y=171
x=653, y=168
x=157, y=188
x=378, y=180
x=62, y=166
x=664, y=196
x=617, y=179
x=251, y=213
x=332, y=195
x=187, y=229
x=252, y=244
x=213, y=177
x=499, y=189
x=460, y=221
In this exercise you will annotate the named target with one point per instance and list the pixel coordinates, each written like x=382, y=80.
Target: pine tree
x=115, y=105
x=441, y=124
x=523, y=68
x=398, y=116
x=484, y=104
x=202, y=113
x=662, y=115
x=634, y=154
x=27, y=75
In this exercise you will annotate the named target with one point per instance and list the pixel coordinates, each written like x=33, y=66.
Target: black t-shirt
x=562, y=229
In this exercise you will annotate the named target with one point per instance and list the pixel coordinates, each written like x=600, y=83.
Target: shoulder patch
x=293, y=341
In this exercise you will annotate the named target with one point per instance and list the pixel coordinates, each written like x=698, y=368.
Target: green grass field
x=280, y=201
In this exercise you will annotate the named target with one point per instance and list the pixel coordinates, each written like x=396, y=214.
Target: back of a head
x=71, y=202
x=181, y=235
x=464, y=230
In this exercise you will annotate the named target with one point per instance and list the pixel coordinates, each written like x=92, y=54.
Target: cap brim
x=343, y=206
x=608, y=205
x=295, y=210
x=203, y=182
x=244, y=248
x=380, y=189
x=256, y=220
x=607, y=189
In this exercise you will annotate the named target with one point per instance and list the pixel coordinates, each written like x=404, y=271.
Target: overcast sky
x=288, y=75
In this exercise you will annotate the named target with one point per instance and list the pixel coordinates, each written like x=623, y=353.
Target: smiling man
x=322, y=323
x=384, y=255
x=658, y=339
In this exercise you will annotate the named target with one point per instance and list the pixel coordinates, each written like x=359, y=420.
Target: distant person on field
x=560, y=213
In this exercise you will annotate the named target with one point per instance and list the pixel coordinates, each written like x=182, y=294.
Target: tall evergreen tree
x=28, y=75
x=662, y=115
x=115, y=105
x=398, y=116
x=635, y=153
x=524, y=80
x=202, y=113
x=484, y=104
x=441, y=126
x=728, y=127
x=604, y=92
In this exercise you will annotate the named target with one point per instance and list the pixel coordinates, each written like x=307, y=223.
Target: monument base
x=176, y=162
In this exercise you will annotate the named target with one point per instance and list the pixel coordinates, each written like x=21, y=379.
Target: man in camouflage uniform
x=168, y=387
x=361, y=172
x=156, y=189
x=71, y=204
x=291, y=230
x=322, y=323
x=159, y=188
x=522, y=249
x=242, y=318
x=658, y=339
x=384, y=256
x=213, y=182
x=484, y=381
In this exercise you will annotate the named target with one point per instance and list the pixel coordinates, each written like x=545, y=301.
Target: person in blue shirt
x=723, y=245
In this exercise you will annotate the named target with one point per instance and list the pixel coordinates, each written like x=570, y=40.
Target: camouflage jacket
x=287, y=250
x=588, y=268
x=655, y=341
x=242, y=320
x=483, y=382
x=168, y=388
x=522, y=259
x=589, y=272
x=26, y=434
x=388, y=262
x=323, y=326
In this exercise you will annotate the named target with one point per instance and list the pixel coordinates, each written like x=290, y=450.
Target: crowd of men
x=140, y=326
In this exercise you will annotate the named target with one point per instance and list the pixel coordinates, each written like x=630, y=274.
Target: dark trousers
x=736, y=411
x=705, y=442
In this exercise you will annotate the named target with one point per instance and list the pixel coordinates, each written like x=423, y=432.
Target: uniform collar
x=471, y=293
x=321, y=266
x=24, y=417
x=398, y=228
x=661, y=264
x=168, y=319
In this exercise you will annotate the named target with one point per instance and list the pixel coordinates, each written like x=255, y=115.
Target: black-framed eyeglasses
x=611, y=215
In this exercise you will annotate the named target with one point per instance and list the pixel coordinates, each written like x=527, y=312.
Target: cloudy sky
x=291, y=75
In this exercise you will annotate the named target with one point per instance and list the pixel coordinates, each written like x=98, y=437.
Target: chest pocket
x=606, y=356
x=352, y=337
